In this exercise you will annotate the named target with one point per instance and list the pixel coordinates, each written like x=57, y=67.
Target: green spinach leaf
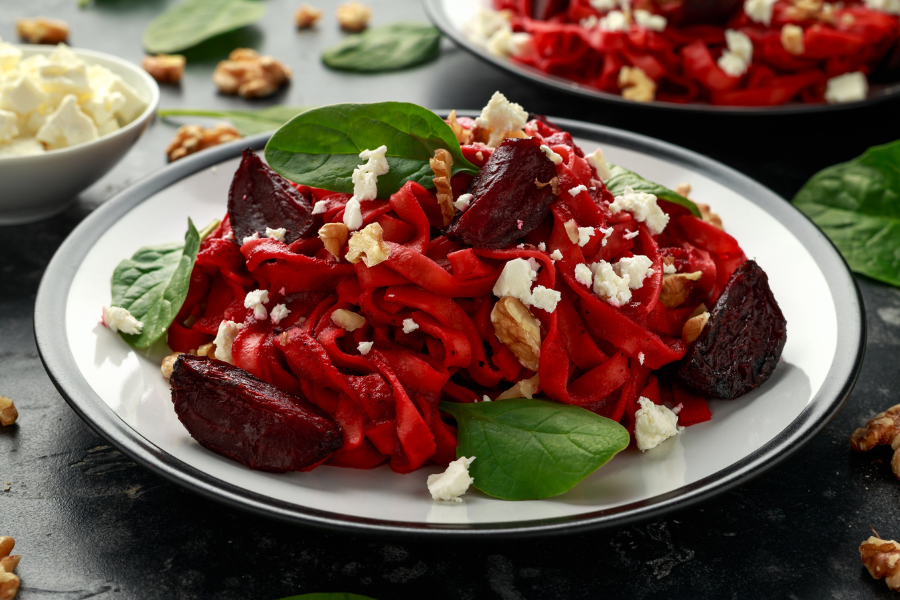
x=321, y=147
x=154, y=282
x=193, y=21
x=857, y=205
x=247, y=122
x=622, y=177
x=387, y=48
x=530, y=449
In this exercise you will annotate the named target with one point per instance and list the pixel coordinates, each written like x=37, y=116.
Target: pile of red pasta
x=793, y=50
x=377, y=343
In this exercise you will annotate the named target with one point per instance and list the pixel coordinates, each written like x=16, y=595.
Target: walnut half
x=368, y=246
x=518, y=330
x=250, y=74
x=9, y=581
x=353, y=16
x=41, y=30
x=882, y=559
x=307, y=16
x=441, y=166
x=165, y=68
x=635, y=85
x=193, y=138
x=334, y=236
x=8, y=412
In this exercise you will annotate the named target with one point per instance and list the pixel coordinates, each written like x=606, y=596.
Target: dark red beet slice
x=508, y=204
x=259, y=198
x=740, y=346
x=234, y=414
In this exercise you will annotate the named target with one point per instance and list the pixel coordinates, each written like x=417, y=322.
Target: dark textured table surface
x=90, y=523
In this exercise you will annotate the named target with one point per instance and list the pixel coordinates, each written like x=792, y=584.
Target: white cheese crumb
x=9, y=126
x=67, y=126
x=276, y=234
x=583, y=274
x=553, y=156
x=250, y=238
x=409, y=325
x=641, y=357
x=118, y=319
x=643, y=207
x=606, y=233
x=577, y=190
x=542, y=247
x=604, y=5
x=462, y=203
x=545, y=298
x=505, y=43
x=365, y=347
x=556, y=255
x=598, y=161
x=452, y=483
x=255, y=300
x=501, y=116
x=653, y=424
x=279, y=313
x=609, y=285
x=636, y=268
x=228, y=330
x=515, y=280
x=669, y=269
x=584, y=235
x=320, y=207
x=352, y=214
x=848, y=87
x=615, y=20
x=648, y=20
x=630, y=235
x=736, y=59
x=365, y=177
x=485, y=398
x=759, y=11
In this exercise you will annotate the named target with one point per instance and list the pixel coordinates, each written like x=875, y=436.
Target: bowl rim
x=139, y=121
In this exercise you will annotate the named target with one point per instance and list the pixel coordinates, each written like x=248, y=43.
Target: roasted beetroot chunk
x=508, y=204
x=234, y=414
x=259, y=198
x=740, y=347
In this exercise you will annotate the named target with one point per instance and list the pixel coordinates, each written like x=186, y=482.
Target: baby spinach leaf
x=622, y=177
x=387, y=48
x=321, y=147
x=530, y=449
x=857, y=205
x=193, y=21
x=247, y=122
x=154, y=282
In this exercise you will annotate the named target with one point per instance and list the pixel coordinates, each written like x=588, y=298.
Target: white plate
x=122, y=394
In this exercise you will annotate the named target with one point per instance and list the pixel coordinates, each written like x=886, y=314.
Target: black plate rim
x=49, y=323
x=435, y=11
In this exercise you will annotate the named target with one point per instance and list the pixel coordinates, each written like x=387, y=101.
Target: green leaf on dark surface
x=387, y=48
x=321, y=147
x=857, y=205
x=247, y=122
x=154, y=282
x=193, y=21
x=622, y=177
x=329, y=596
x=528, y=449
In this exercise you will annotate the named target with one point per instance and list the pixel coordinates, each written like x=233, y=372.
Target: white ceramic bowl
x=36, y=187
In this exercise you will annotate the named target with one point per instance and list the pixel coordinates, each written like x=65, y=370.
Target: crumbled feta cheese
x=630, y=235
x=485, y=24
x=648, y=20
x=452, y=483
x=590, y=22
x=347, y=320
x=102, y=106
x=598, y=161
x=22, y=146
x=848, y=87
x=409, y=325
x=255, y=300
x=276, y=234
x=365, y=347
x=609, y=285
x=320, y=207
x=643, y=207
x=119, y=319
x=556, y=255
x=641, y=357
x=250, y=238
x=365, y=177
x=462, y=203
x=577, y=190
x=515, y=280
x=134, y=105
x=759, y=11
x=21, y=95
x=542, y=247
x=67, y=126
x=891, y=7
x=585, y=234
x=228, y=330
x=583, y=274
x=9, y=57
x=553, y=156
x=9, y=126
x=279, y=313
x=352, y=214
x=545, y=298
x=606, y=233
x=485, y=398
x=669, y=269
x=615, y=20
x=653, y=424
x=736, y=59
x=635, y=268
x=507, y=43
x=501, y=116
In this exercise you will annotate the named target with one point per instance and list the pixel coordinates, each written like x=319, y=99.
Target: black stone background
x=90, y=523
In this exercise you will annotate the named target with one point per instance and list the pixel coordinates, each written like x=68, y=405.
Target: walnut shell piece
x=334, y=236
x=168, y=364
x=250, y=74
x=441, y=166
x=193, y=138
x=463, y=136
x=518, y=330
x=676, y=287
x=353, y=16
x=882, y=559
x=880, y=430
x=693, y=327
x=165, y=68
x=367, y=245
x=8, y=412
x=792, y=39
x=636, y=85
x=41, y=30
x=9, y=582
x=525, y=388
x=307, y=16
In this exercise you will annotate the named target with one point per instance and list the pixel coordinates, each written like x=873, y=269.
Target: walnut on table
x=518, y=330
x=250, y=74
x=8, y=412
x=882, y=559
x=9, y=581
x=441, y=166
x=165, y=68
x=41, y=30
x=881, y=430
x=307, y=16
x=194, y=138
x=353, y=16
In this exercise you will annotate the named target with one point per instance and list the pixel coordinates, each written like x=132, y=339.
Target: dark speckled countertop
x=90, y=523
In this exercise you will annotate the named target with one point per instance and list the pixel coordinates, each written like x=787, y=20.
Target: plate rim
x=434, y=9
x=50, y=319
